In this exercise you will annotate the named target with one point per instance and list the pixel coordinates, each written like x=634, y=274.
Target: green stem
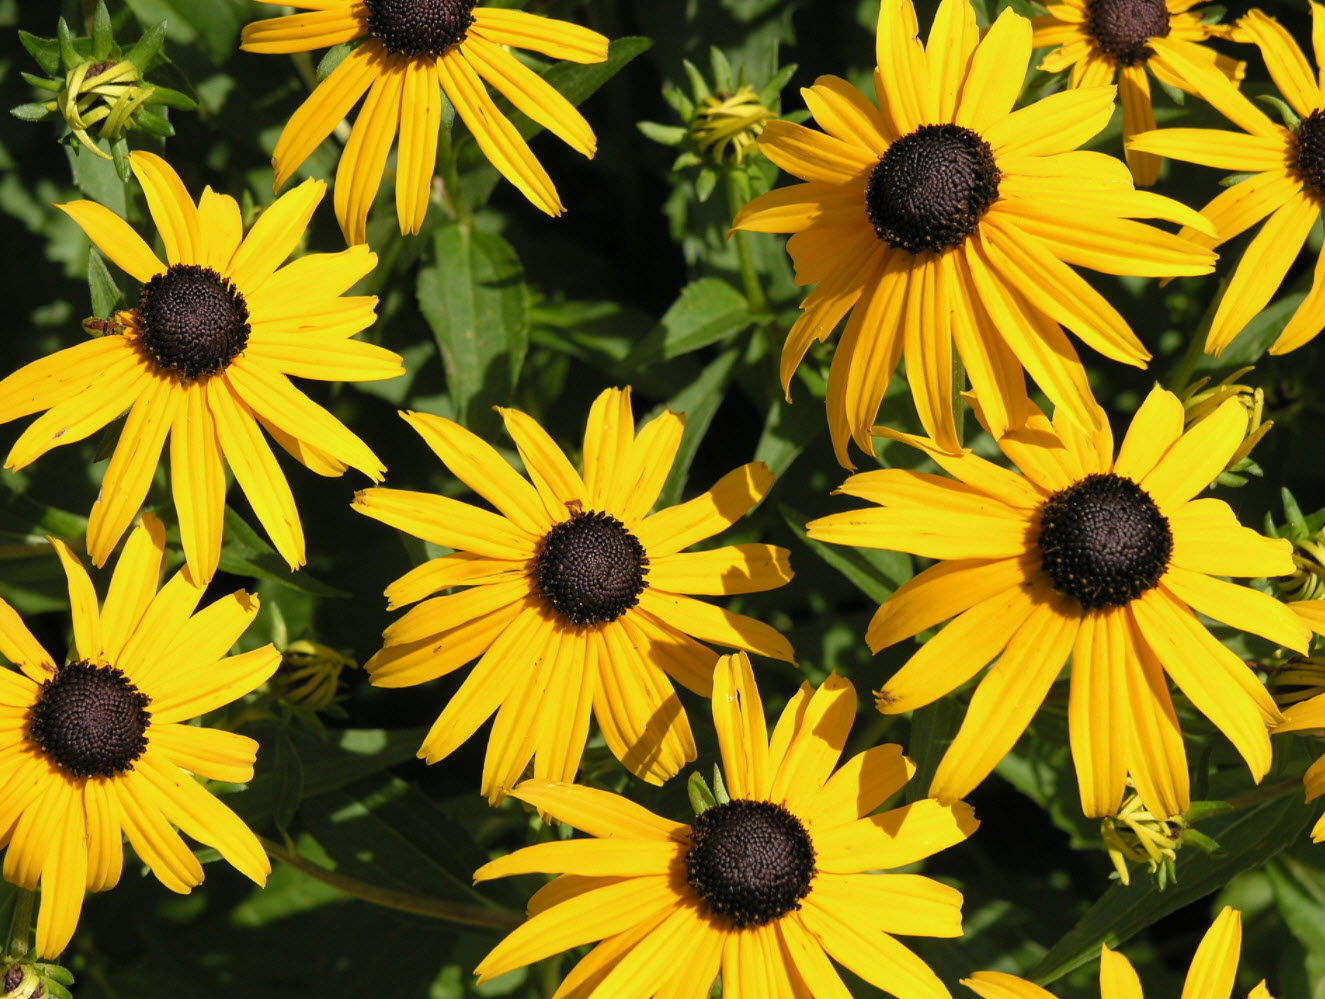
x=1181, y=375
x=494, y=918
x=446, y=165
x=754, y=289
x=1260, y=794
x=20, y=925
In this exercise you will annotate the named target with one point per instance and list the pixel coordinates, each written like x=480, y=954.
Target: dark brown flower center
x=750, y=861
x=591, y=569
x=1309, y=154
x=1122, y=28
x=931, y=188
x=1104, y=541
x=420, y=27
x=90, y=720
x=194, y=322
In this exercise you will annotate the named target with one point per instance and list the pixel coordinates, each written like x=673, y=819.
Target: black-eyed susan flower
x=1105, y=560
x=99, y=748
x=1210, y=976
x=575, y=596
x=1286, y=183
x=413, y=51
x=765, y=887
x=942, y=219
x=205, y=359
x=1096, y=38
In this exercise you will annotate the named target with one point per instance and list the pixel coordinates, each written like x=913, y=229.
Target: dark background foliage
x=635, y=285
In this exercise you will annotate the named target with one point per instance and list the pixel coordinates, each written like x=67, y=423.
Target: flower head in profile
x=1106, y=560
x=1308, y=714
x=1210, y=976
x=413, y=52
x=1286, y=183
x=943, y=221
x=1097, y=39
x=100, y=747
x=204, y=359
x=765, y=887
x=573, y=597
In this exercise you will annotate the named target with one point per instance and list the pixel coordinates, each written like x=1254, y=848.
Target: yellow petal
x=678, y=527
x=172, y=209
x=416, y=155
x=116, y=239
x=495, y=135
x=359, y=172
x=738, y=716
x=446, y=522
x=256, y=471
x=329, y=102
x=1216, y=961
x=1097, y=710
x=133, y=584
x=557, y=39
x=1007, y=698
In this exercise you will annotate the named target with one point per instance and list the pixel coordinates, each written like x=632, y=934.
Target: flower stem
x=494, y=918
x=754, y=289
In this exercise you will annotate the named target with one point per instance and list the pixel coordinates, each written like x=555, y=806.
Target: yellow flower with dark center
x=99, y=748
x=1211, y=975
x=1087, y=556
x=1286, y=187
x=943, y=219
x=204, y=358
x=413, y=52
x=575, y=598
x=765, y=887
x=1095, y=38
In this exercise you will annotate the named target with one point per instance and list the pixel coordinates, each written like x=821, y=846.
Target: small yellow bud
x=725, y=126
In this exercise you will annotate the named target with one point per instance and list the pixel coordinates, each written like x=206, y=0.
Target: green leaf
x=707, y=311
x=1249, y=838
x=147, y=47
x=333, y=58
x=31, y=112
x=667, y=135
x=324, y=765
x=41, y=83
x=46, y=51
x=97, y=179
x=287, y=780
x=68, y=53
x=172, y=99
x=697, y=790
x=474, y=298
x=153, y=124
x=105, y=292
x=245, y=553
x=699, y=401
x=103, y=35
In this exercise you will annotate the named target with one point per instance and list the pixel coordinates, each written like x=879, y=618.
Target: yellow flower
x=765, y=887
x=1309, y=715
x=1210, y=976
x=943, y=219
x=1286, y=185
x=204, y=358
x=413, y=52
x=574, y=598
x=1095, y=38
x=1104, y=560
x=100, y=748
